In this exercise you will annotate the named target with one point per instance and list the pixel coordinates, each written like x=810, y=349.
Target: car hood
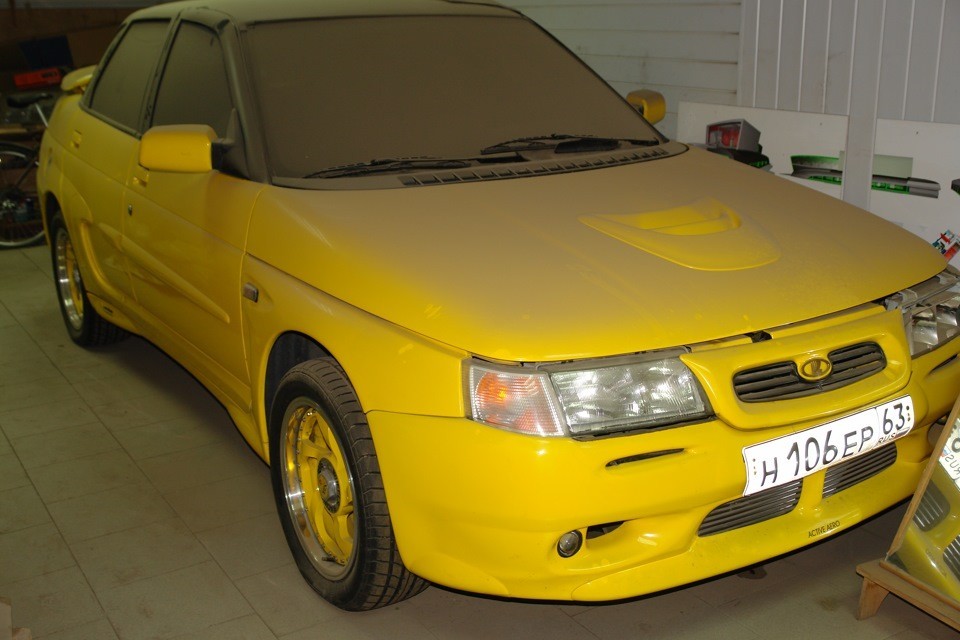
x=655, y=254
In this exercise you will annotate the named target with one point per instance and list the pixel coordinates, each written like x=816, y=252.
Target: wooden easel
x=881, y=577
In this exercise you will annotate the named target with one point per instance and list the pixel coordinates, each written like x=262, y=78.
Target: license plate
x=950, y=456
x=785, y=459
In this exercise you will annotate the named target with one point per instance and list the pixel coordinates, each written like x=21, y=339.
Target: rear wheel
x=21, y=224
x=85, y=326
x=329, y=491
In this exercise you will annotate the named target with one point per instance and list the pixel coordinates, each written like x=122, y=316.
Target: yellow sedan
x=489, y=327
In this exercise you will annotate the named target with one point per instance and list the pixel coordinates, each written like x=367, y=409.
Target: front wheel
x=329, y=491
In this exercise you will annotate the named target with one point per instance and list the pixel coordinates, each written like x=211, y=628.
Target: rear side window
x=194, y=87
x=120, y=90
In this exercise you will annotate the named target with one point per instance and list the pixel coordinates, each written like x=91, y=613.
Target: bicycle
x=21, y=223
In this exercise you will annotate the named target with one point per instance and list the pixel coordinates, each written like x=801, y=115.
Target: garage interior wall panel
x=798, y=55
x=684, y=49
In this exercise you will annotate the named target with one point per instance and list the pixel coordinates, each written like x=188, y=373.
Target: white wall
x=686, y=49
x=798, y=55
x=868, y=59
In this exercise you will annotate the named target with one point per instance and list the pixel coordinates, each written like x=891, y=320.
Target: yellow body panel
x=509, y=269
x=493, y=522
x=401, y=285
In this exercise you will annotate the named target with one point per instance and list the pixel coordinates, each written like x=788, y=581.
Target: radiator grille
x=781, y=381
x=932, y=508
x=846, y=474
x=752, y=509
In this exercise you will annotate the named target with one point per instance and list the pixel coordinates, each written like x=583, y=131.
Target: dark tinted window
x=194, y=87
x=123, y=82
x=335, y=92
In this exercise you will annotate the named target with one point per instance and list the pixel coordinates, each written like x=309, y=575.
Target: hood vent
x=527, y=169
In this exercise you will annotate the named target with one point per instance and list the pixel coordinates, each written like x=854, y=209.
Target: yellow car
x=488, y=326
x=930, y=548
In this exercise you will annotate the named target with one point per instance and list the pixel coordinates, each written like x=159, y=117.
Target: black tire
x=21, y=224
x=335, y=515
x=85, y=326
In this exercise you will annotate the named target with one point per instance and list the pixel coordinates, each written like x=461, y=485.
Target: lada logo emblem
x=815, y=369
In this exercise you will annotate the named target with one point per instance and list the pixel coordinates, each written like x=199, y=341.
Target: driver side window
x=194, y=88
x=123, y=82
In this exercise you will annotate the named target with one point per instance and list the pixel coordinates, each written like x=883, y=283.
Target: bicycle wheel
x=21, y=224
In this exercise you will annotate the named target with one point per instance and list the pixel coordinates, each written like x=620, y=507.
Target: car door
x=185, y=232
x=102, y=144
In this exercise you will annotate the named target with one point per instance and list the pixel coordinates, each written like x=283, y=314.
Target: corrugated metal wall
x=798, y=55
x=866, y=59
x=687, y=50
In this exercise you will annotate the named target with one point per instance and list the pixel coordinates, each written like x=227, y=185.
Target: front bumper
x=481, y=509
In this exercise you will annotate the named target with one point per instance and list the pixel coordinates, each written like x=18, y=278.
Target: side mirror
x=77, y=81
x=651, y=104
x=179, y=148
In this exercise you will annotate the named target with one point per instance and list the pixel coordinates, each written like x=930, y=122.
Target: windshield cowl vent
x=527, y=169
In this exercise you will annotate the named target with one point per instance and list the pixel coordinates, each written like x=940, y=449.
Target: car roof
x=253, y=11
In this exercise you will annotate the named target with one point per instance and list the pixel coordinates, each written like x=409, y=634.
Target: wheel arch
x=289, y=349
x=50, y=206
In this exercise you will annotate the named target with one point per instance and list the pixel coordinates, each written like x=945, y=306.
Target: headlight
x=930, y=310
x=592, y=398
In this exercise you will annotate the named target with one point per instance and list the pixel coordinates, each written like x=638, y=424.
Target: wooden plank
x=880, y=578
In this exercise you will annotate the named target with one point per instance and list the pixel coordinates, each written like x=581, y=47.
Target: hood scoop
x=705, y=235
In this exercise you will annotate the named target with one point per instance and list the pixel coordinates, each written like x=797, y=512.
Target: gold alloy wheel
x=318, y=487
x=69, y=282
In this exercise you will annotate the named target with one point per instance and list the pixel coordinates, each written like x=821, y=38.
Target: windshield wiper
x=386, y=165
x=565, y=143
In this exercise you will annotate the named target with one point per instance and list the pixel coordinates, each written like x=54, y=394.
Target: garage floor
x=131, y=508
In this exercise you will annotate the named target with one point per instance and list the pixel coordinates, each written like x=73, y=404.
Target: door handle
x=141, y=180
x=76, y=139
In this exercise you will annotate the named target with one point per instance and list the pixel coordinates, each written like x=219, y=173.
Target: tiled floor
x=130, y=508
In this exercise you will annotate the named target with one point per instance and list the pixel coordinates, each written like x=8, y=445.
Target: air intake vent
x=846, y=474
x=932, y=508
x=781, y=381
x=951, y=557
x=526, y=169
x=752, y=509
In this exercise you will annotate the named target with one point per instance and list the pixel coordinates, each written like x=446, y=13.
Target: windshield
x=349, y=90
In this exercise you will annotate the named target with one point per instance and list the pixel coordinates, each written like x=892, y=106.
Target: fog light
x=569, y=544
